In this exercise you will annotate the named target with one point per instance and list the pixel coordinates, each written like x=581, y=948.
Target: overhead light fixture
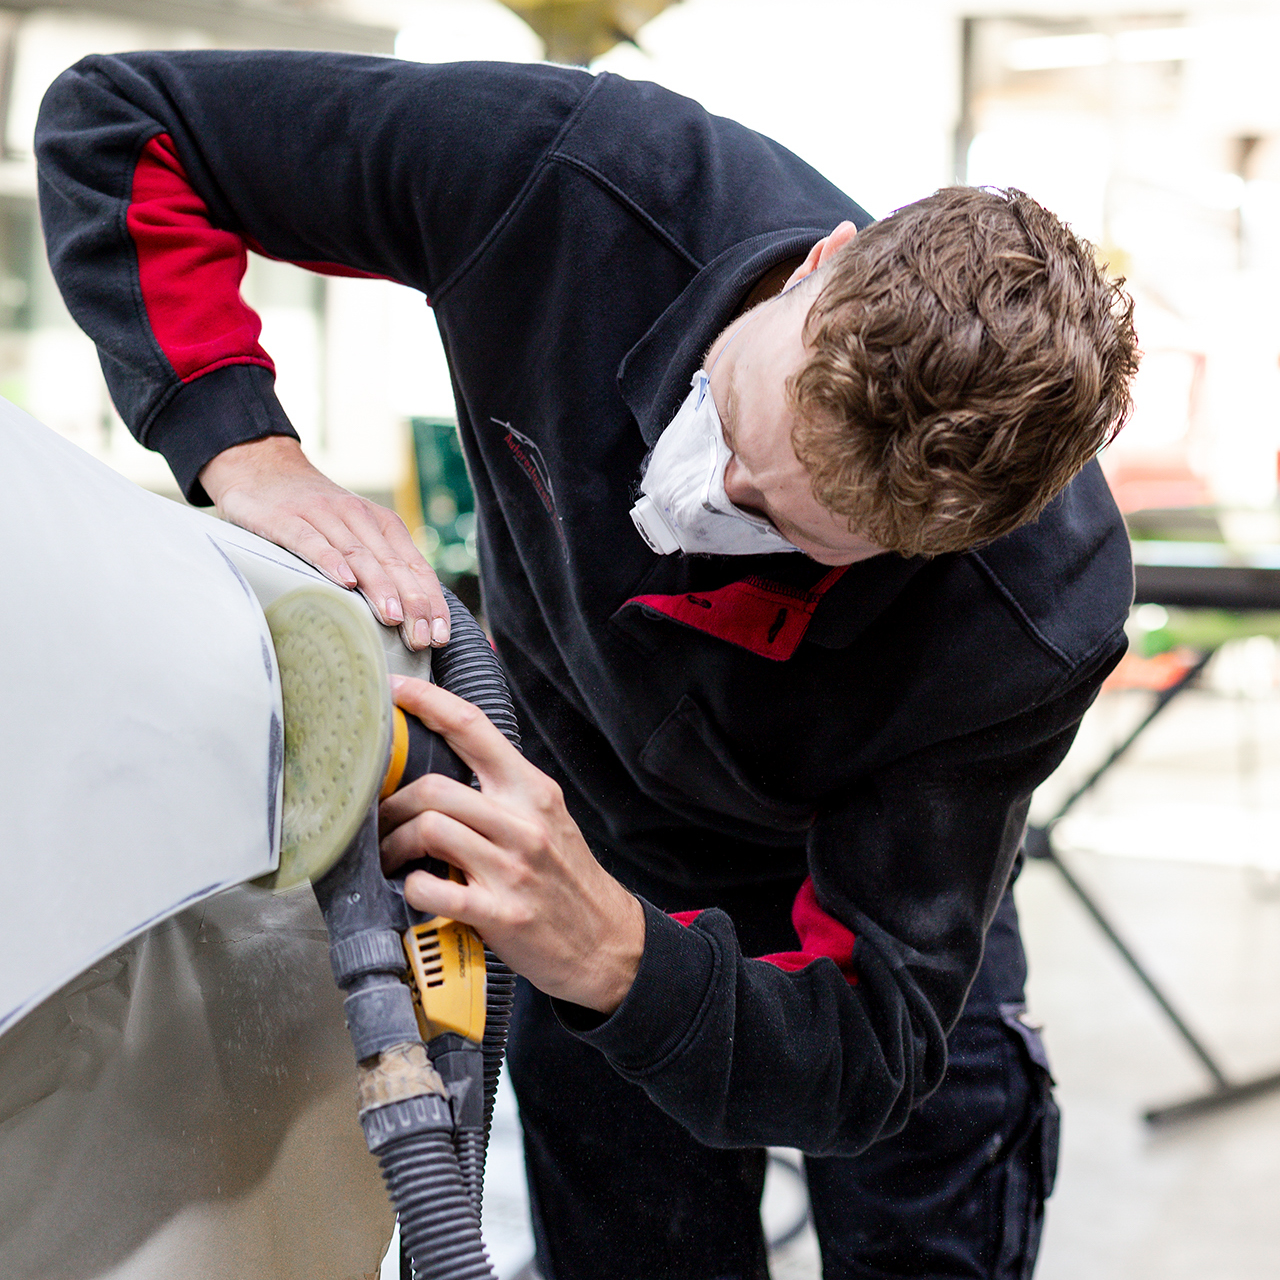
x=577, y=31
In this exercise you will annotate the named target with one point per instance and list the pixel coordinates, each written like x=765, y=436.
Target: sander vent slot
x=429, y=957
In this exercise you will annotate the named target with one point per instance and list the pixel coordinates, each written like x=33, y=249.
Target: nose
x=742, y=492
x=732, y=475
x=736, y=488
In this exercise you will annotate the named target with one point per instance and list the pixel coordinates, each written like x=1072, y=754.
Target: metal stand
x=1038, y=843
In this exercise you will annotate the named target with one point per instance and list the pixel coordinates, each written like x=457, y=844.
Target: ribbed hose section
x=500, y=994
x=439, y=1227
x=468, y=667
x=470, y=1146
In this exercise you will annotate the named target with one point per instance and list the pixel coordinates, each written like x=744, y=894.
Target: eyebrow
x=730, y=410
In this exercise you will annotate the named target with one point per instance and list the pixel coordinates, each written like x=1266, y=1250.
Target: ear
x=826, y=248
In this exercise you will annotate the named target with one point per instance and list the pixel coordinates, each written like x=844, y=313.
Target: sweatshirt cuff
x=224, y=407
x=666, y=1001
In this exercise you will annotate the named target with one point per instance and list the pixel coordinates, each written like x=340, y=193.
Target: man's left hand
x=534, y=891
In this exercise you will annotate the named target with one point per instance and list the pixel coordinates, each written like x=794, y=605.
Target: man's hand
x=534, y=891
x=268, y=487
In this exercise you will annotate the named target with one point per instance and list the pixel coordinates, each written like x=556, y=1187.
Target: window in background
x=1158, y=137
x=331, y=340
x=47, y=366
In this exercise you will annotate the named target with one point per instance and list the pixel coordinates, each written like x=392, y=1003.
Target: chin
x=824, y=555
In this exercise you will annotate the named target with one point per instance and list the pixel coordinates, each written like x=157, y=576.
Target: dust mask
x=682, y=505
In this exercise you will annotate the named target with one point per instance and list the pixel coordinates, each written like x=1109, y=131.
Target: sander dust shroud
x=427, y=1006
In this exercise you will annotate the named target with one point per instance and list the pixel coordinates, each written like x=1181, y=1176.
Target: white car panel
x=177, y=1093
x=139, y=760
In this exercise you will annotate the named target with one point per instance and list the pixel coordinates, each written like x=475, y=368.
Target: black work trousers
x=618, y=1189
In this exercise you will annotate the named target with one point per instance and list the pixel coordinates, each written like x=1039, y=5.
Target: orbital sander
x=427, y=1006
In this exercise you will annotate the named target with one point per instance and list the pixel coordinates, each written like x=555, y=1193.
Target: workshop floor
x=1181, y=844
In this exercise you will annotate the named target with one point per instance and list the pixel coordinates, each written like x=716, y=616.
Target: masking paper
x=187, y=1107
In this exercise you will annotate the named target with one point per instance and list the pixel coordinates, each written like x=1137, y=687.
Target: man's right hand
x=268, y=487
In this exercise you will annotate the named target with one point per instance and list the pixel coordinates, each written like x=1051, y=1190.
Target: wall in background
x=1154, y=129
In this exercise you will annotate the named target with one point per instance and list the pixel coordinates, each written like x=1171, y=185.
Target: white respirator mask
x=683, y=506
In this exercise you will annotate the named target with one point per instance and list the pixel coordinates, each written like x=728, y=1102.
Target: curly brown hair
x=968, y=357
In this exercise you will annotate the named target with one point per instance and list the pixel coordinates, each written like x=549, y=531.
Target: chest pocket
x=687, y=755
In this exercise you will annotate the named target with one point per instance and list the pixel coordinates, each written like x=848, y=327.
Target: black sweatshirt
x=729, y=731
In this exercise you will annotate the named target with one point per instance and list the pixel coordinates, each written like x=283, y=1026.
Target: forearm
x=249, y=463
x=157, y=172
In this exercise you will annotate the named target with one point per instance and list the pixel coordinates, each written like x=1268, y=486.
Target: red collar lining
x=766, y=618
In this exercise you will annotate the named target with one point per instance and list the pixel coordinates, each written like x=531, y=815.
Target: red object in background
x=1139, y=484
x=1155, y=673
x=1149, y=465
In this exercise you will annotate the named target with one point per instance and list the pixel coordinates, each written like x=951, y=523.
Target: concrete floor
x=1181, y=845
x=1195, y=1201
x=1202, y=1198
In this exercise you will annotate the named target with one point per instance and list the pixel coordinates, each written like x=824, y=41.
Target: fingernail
x=421, y=633
x=347, y=578
x=396, y=682
x=439, y=632
x=392, y=610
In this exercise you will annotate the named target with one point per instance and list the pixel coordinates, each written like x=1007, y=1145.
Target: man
x=771, y=801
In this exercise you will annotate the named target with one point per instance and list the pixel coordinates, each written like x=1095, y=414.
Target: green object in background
x=1160, y=629
x=1174, y=524
x=448, y=501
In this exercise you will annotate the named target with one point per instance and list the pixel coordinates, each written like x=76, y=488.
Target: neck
x=770, y=284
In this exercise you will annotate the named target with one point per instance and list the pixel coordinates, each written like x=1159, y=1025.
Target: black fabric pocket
x=959, y=1193
x=1033, y=1165
x=688, y=757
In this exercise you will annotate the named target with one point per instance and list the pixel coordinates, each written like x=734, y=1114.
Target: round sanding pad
x=337, y=726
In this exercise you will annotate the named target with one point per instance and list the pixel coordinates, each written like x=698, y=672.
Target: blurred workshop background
x=1154, y=128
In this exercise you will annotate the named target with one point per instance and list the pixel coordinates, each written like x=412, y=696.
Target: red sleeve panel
x=189, y=270
x=820, y=935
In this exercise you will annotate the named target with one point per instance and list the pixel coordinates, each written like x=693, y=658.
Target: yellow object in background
x=407, y=495
x=578, y=31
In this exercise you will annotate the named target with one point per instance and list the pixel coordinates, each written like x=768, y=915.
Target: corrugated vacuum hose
x=427, y=1007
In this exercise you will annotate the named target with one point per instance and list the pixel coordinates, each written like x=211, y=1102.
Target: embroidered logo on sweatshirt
x=531, y=462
